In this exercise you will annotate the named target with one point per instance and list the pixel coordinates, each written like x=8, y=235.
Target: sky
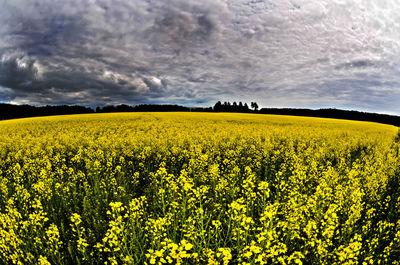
x=296, y=53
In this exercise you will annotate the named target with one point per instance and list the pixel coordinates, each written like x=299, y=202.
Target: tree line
x=336, y=114
x=148, y=108
x=235, y=107
x=10, y=111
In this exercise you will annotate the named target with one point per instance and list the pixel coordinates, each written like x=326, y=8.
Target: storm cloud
x=279, y=53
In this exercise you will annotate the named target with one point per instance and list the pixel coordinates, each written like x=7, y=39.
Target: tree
x=246, y=107
x=234, y=107
x=218, y=106
x=254, y=106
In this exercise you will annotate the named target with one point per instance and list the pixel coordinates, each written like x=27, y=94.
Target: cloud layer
x=299, y=53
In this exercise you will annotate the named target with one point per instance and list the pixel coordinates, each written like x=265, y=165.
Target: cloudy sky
x=281, y=53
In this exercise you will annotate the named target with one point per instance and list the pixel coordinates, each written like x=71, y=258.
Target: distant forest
x=9, y=111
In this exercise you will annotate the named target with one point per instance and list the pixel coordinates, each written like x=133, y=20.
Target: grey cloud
x=43, y=37
x=276, y=52
x=18, y=71
x=65, y=84
x=180, y=27
x=357, y=64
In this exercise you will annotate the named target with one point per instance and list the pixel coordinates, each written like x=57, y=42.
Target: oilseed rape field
x=198, y=188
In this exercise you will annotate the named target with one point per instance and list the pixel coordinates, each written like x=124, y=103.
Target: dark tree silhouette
x=218, y=106
x=254, y=106
x=112, y=108
x=336, y=114
x=234, y=107
x=228, y=107
x=9, y=111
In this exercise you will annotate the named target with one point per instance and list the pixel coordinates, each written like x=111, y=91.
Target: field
x=197, y=188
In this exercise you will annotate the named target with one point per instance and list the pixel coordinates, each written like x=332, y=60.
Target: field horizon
x=10, y=111
x=194, y=113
